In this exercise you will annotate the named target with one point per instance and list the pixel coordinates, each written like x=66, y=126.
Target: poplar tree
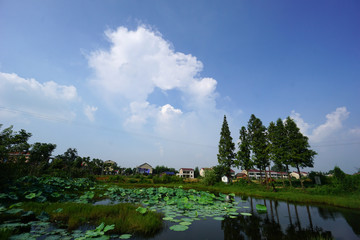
x=243, y=156
x=226, y=154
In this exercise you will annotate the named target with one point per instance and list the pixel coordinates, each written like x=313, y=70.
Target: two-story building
x=186, y=173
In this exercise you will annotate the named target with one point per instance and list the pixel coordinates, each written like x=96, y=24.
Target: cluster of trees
x=280, y=143
x=19, y=158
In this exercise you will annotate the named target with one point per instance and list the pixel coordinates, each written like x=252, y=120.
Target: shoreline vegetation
x=291, y=194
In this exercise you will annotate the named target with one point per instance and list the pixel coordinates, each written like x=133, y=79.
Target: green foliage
x=210, y=178
x=164, y=179
x=243, y=157
x=196, y=172
x=99, y=231
x=226, y=154
x=258, y=142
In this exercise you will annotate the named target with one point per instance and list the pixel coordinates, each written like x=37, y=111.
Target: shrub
x=210, y=178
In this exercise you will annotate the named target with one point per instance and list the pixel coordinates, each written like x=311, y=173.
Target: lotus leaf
x=261, y=208
x=141, y=210
x=179, y=228
x=185, y=223
x=30, y=196
x=125, y=236
x=246, y=214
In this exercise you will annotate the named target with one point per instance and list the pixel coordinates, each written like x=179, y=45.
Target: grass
x=123, y=215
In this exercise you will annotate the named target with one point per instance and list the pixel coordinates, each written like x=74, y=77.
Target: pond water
x=281, y=221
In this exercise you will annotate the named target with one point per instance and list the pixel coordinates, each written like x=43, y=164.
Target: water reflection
x=290, y=221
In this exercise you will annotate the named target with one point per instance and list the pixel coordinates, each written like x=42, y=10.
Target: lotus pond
x=40, y=208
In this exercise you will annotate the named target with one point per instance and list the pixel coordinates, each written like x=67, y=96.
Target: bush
x=241, y=181
x=210, y=178
x=116, y=178
x=167, y=179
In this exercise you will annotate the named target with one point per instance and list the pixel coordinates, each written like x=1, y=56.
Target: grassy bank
x=124, y=216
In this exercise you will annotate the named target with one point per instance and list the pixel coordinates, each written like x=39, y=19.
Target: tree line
x=20, y=158
x=281, y=144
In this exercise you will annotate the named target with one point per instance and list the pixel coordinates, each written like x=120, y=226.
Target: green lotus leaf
x=246, y=214
x=30, y=195
x=141, y=210
x=185, y=223
x=125, y=236
x=261, y=208
x=218, y=218
x=179, y=228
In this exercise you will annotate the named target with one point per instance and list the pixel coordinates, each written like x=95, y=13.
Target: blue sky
x=150, y=81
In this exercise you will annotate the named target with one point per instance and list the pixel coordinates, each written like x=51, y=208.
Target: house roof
x=187, y=169
x=142, y=165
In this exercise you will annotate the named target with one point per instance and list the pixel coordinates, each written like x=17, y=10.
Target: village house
x=203, y=171
x=296, y=174
x=144, y=168
x=186, y=173
x=254, y=173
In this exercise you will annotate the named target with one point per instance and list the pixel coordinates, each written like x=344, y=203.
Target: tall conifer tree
x=300, y=154
x=243, y=156
x=226, y=154
x=259, y=144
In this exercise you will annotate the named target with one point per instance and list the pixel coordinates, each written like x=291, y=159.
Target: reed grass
x=123, y=215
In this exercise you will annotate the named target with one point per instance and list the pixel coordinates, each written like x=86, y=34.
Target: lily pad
x=179, y=228
x=185, y=223
x=125, y=236
x=218, y=218
x=261, y=208
x=246, y=214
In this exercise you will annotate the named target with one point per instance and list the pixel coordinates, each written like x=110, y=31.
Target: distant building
x=254, y=173
x=144, y=168
x=203, y=171
x=186, y=173
x=296, y=174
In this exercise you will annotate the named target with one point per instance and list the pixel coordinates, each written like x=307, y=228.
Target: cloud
x=333, y=123
x=43, y=100
x=139, y=61
x=89, y=112
x=304, y=127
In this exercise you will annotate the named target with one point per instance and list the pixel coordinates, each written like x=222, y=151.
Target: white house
x=203, y=171
x=186, y=173
x=296, y=174
x=254, y=173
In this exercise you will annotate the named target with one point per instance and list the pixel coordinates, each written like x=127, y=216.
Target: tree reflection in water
x=263, y=226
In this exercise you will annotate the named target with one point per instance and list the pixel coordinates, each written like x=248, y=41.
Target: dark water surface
x=281, y=221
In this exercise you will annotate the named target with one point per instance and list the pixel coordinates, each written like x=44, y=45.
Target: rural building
x=203, y=171
x=186, y=173
x=254, y=173
x=144, y=168
x=296, y=174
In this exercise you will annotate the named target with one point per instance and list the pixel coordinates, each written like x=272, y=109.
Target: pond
x=282, y=220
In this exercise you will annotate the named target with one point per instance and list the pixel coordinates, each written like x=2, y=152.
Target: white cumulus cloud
x=137, y=62
x=333, y=123
x=46, y=100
